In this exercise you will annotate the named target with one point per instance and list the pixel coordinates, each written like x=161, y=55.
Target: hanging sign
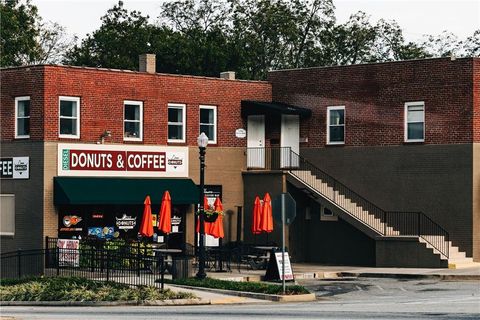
x=15, y=168
x=118, y=160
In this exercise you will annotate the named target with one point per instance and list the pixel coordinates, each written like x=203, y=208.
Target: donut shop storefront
x=99, y=190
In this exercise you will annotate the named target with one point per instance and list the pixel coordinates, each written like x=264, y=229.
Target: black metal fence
x=383, y=222
x=139, y=268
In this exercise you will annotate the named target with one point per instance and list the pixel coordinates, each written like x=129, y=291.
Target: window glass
x=175, y=114
x=415, y=123
x=68, y=108
x=132, y=112
x=132, y=123
x=69, y=117
x=336, y=125
x=208, y=123
x=176, y=119
x=68, y=126
x=23, y=117
x=336, y=117
x=24, y=108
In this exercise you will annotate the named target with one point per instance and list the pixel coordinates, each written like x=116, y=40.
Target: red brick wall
x=102, y=93
x=476, y=100
x=374, y=96
x=26, y=81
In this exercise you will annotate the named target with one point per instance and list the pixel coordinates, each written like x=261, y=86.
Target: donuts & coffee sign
x=114, y=160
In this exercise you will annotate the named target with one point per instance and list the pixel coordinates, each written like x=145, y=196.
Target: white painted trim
x=140, y=104
x=77, y=100
x=17, y=99
x=344, y=125
x=214, y=108
x=405, y=120
x=184, y=121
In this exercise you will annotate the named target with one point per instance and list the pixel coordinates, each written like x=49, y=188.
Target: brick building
x=382, y=159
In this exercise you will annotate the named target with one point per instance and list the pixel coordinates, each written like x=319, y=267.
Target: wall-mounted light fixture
x=105, y=134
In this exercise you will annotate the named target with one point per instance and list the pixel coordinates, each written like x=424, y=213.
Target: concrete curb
x=451, y=277
x=260, y=296
x=173, y=302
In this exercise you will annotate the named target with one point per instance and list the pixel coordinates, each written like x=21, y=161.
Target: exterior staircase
x=363, y=213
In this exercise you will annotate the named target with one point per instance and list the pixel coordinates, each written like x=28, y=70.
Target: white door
x=289, y=137
x=256, y=141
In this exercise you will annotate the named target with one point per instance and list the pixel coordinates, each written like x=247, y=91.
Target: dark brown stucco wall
x=434, y=179
x=28, y=198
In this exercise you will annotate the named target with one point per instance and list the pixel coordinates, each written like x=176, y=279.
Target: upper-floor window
x=22, y=117
x=208, y=122
x=336, y=125
x=415, y=121
x=69, y=118
x=176, y=122
x=133, y=120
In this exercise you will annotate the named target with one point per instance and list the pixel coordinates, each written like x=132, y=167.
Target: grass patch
x=256, y=287
x=80, y=289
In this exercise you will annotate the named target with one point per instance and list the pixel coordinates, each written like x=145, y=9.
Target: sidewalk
x=310, y=271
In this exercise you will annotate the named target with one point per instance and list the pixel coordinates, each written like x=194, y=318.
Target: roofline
x=373, y=63
x=128, y=71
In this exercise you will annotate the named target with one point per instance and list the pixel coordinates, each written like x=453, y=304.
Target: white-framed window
x=415, y=121
x=69, y=117
x=208, y=122
x=132, y=120
x=7, y=215
x=336, y=125
x=22, y=117
x=176, y=122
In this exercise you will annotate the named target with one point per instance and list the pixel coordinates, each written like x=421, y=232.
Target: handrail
x=384, y=223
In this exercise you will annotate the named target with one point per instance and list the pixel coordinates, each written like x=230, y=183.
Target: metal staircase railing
x=384, y=223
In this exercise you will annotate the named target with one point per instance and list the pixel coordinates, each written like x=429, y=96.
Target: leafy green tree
x=18, y=33
x=118, y=42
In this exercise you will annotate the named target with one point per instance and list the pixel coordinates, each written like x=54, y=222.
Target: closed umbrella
x=266, y=223
x=216, y=229
x=165, y=220
x=256, y=218
x=146, y=226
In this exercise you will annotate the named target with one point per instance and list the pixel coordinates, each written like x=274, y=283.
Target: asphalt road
x=346, y=299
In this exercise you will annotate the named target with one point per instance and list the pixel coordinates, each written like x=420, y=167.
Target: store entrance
x=109, y=222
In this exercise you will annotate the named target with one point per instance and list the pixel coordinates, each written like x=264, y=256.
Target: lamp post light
x=202, y=141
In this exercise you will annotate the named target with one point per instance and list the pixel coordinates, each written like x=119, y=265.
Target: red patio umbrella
x=266, y=223
x=216, y=229
x=146, y=226
x=165, y=216
x=257, y=214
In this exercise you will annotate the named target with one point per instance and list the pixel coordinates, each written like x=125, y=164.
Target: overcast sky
x=415, y=17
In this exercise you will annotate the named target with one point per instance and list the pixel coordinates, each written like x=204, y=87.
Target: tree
x=18, y=33
x=471, y=46
x=118, y=42
x=278, y=33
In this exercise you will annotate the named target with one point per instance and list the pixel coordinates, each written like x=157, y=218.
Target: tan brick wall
x=50, y=227
x=223, y=167
x=476, y=202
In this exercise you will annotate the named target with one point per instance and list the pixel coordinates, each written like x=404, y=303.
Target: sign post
x=284, y=207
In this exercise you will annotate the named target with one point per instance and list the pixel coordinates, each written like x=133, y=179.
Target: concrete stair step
x=463, y=264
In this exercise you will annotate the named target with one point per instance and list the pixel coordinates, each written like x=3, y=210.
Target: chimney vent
x=146, y=63
x=228, y=75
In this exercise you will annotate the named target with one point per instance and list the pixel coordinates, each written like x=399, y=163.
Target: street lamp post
x=202, y=141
